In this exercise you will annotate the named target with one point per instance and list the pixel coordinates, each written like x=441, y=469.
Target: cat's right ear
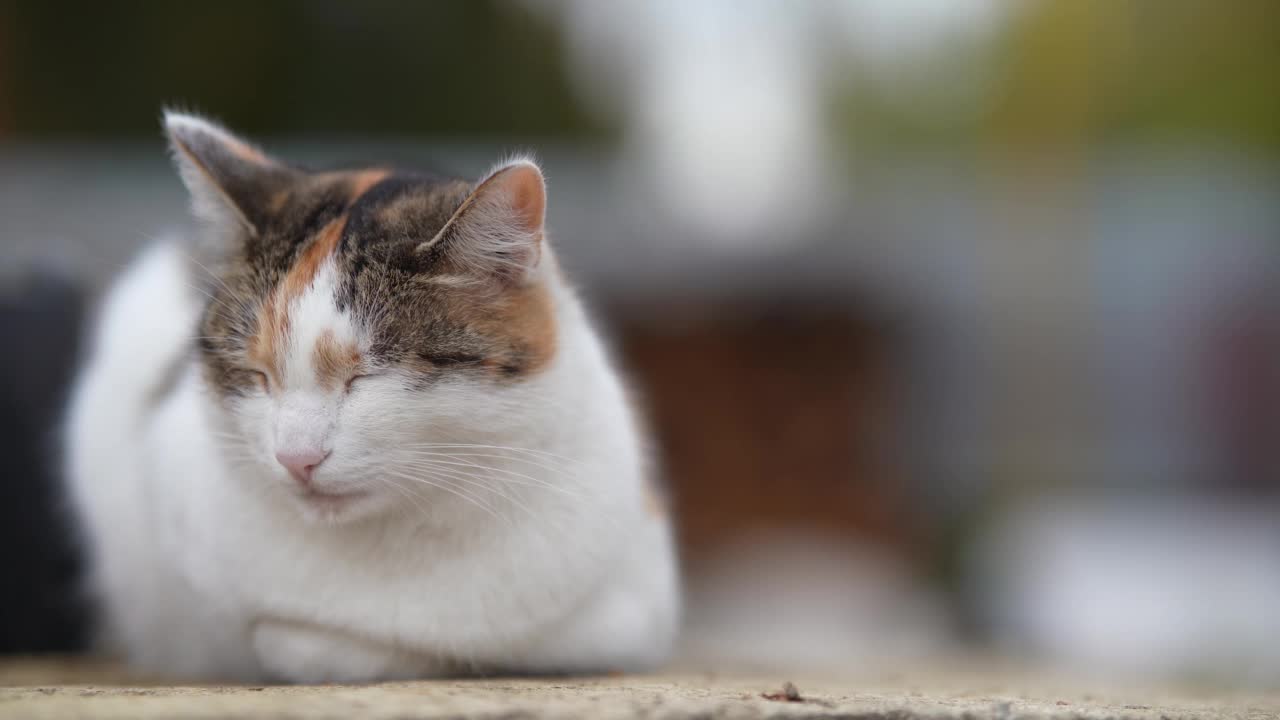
x=232, y=183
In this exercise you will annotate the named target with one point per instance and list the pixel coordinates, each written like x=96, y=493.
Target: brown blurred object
x=771, y=417
x=1241, y=376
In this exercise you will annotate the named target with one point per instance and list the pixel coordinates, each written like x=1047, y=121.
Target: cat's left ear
x=231, y=181
x=497, y=231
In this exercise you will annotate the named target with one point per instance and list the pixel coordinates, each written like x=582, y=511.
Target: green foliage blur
x=455, y=68
x=1054, y=76
x=1063, y=75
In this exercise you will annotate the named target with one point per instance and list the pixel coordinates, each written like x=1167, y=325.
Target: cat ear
x=231, y=182
x=497, y=231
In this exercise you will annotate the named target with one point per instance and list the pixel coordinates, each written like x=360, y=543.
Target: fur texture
x=374, y=437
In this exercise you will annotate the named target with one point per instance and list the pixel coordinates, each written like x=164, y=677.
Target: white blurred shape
x=795, y=601
x=1144, y=589
x=889, y=33
x=721, y=105
x=725, y=103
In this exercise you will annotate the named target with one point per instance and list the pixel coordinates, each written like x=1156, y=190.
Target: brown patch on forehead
x=304, y=270
x=264, y=348
x=411, y=211
x=267, y=345
x=335, y=362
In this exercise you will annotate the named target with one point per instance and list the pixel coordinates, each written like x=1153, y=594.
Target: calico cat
x=362, y=431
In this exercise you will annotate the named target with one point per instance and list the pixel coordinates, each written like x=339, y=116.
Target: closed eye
x=453, y=359
x=260, y=379
x=351, y=381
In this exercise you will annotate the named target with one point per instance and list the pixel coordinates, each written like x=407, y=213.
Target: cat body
x=374, y=438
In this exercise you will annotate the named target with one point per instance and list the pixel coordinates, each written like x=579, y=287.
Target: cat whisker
x=451, y=489
x=521, y=478
x=406, y=493
x=476, y=481
x=472, y=478
x=561, y=471
x=508, y=448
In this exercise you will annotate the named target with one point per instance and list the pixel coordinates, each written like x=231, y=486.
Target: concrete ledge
x=51, y=689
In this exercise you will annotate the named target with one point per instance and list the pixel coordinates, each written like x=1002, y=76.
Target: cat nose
x=301, y=463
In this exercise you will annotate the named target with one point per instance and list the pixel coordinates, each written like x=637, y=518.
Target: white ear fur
x=225, y=175
x=498, y=229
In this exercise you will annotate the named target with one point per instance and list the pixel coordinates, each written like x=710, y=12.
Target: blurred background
x=956, y=320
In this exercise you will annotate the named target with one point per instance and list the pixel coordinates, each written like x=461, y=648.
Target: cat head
x=355, y=316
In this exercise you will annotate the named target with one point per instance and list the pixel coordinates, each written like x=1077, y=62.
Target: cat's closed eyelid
x=260, y=378
x=359, y=376
x=263, y=379
x=453, y=360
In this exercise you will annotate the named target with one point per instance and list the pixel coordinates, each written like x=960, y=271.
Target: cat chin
x=339, y=508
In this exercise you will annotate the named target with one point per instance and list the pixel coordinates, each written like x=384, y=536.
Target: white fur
x=209, y=564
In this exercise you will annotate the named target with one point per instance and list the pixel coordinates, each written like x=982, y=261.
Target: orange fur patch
x=363, y=180
x=526, y=316
x=335, y=363
x=265, y=348
x=535, y=325
x=304, y=270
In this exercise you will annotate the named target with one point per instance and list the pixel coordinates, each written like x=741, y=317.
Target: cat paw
x=305, y=653
x=619, y=632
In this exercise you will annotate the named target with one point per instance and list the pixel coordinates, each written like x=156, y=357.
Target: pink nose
x=301, y=463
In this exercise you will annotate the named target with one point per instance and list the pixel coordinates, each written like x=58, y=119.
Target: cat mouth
x=329, y=500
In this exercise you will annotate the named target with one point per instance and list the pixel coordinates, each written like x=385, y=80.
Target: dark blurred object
x=460, y=68
x=1242, y=373
x=777, y=422
x=772, y=417
x=41, y=609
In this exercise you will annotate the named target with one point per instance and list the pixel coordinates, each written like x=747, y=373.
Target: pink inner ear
x=523, y=187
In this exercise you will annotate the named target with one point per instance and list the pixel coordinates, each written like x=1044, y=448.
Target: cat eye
x=352, y=380
x=261, y=379
x=453, y=360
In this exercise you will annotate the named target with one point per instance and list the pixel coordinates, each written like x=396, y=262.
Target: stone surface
x=53, y=689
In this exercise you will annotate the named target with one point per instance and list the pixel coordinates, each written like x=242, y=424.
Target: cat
x=362, y=430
